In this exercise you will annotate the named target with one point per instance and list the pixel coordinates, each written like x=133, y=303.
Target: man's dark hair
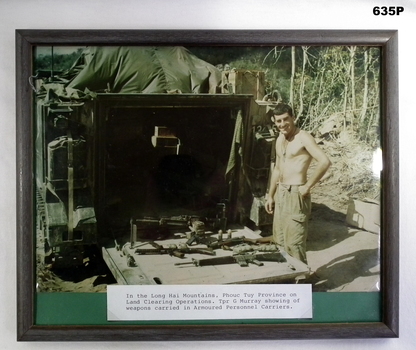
x=282, y=108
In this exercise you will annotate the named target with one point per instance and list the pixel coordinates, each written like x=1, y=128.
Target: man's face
x=285, y=123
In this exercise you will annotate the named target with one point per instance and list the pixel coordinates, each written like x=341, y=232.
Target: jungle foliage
x=336, y=86
x=56, y=62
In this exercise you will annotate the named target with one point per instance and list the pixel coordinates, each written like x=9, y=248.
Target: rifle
x=173, y=250
x=227, y=243
x=242, y=259
x=200, y=237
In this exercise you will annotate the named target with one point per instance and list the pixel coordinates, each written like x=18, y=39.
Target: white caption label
x=208, y=302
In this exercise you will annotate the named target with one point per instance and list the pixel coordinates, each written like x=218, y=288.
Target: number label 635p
x=390, y=10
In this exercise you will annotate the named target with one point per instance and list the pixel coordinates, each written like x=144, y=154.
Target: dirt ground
x=341, y=258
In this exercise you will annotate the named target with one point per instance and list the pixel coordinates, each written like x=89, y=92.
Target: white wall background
x=212, y=14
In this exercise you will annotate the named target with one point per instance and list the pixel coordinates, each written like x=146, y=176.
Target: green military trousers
x=290, y=222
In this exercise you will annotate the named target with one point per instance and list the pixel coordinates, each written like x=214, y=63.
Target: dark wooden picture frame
x=388, y=327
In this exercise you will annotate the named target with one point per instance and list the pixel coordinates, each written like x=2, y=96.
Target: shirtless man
x=289, y=193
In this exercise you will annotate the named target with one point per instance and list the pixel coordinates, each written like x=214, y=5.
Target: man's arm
x=274, y=179
x=323, y=162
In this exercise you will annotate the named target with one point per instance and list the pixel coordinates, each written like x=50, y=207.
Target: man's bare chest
x=286, y=149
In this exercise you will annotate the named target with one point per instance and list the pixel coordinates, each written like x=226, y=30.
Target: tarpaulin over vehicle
x=144, y=69
x=141, y=70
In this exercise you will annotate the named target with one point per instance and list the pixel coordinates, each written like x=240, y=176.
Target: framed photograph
x=207, y=184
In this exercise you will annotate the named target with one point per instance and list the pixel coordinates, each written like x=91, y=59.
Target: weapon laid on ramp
x=173, y=250
x=242, y=259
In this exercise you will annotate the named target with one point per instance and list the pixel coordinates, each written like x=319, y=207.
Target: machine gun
x=179, y=221
x=155, y=226
x=242, y=259
x=227, y=243
x=152, y=227
x=199, y=236
x=173, y=250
